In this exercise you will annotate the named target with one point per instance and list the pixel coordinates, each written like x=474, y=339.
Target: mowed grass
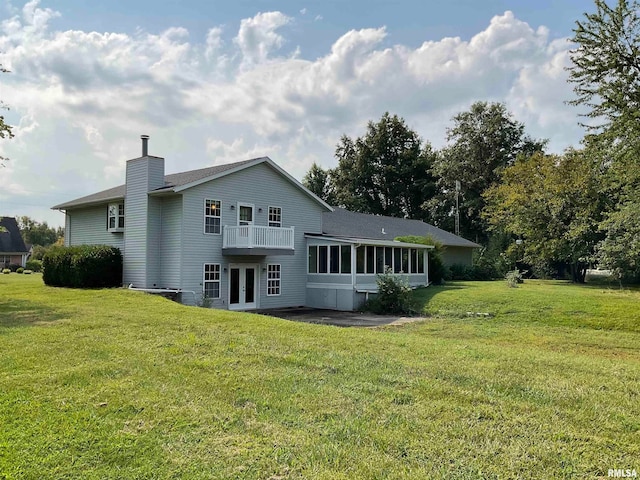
x=119, y=384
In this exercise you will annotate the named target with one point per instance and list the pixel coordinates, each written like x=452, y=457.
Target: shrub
x=14, y=266
x=34, y=265
x=394, y=295
x=514, y=277
x=20, y=270
x=437, y=269
x=27, y=272
x=6, y=271
x=83, y=266
x=460, y=272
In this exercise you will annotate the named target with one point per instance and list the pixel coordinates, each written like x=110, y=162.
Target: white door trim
x=242, y=305
x=253, y=212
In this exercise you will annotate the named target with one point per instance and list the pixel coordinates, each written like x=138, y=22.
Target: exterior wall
x=10, y=258
x=457, y=256
x=170, y=251
x=88, y=226
x=67, y=228
x=142, y=221
x=261, y=186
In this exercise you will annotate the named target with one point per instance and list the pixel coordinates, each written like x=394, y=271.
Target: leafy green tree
x=554, y=205
x=385, y=172
x=606, y=78
x=606, y=65
x=38, y=233
x=483, y=141
x=318, y=181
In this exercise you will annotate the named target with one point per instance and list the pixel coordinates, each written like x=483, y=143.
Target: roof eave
x=71, y=206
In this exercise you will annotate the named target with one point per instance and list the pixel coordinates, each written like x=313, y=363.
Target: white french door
x=243, y=287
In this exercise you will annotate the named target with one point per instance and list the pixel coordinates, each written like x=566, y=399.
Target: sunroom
x=341, y=272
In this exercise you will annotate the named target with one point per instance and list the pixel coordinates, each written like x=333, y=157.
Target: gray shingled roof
x=343, y=223
x=170, y=181
x=10, y=238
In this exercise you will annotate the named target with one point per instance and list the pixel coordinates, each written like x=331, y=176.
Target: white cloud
x=257, y=36
x=81, y=99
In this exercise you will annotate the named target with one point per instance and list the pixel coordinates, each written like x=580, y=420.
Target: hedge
x=34, y=265
x=83, y=266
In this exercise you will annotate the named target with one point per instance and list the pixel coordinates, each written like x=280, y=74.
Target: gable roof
x=10, y=239
x=343, y=223
x=177, y=182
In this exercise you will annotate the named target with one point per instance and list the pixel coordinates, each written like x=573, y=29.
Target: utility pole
x=457, y=208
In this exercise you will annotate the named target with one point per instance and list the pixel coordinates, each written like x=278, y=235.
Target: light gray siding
x=142, y=221
x=457, y=256
x=261, y=186
x=88, y=226
x=170, y=243
x=154, y=241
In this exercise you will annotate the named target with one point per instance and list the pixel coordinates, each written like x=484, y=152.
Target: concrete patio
x=338, y=318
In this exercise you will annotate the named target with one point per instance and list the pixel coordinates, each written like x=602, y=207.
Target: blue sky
x=213, y=82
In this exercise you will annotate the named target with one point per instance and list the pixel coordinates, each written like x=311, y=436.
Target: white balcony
x=257, y=240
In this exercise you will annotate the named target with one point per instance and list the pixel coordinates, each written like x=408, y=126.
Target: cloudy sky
x=217, y=81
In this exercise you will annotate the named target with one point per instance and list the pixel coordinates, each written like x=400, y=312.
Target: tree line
x=550, y=213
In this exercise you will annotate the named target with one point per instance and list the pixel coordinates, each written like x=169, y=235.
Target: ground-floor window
x=329, y=259
x=377, y=260
x=273, y=279
x=211, y=280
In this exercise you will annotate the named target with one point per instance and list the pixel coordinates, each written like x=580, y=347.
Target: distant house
x=240, y=236
x=13, y=250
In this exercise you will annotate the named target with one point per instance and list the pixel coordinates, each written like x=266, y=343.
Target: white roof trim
x=370, y=241
x=257, y=161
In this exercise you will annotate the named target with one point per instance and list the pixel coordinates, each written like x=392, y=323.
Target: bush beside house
x=84, y=266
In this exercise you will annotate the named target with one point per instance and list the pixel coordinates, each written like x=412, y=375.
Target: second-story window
x=115, y=217
x=275, y=217
x=212, y=212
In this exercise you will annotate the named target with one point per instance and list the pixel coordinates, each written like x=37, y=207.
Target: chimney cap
x=144, y=137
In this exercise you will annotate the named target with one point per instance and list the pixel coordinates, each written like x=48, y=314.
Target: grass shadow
x=426, y=294
x=24, y=313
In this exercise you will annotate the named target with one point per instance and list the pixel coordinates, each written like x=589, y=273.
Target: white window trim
x=269, y=215
x=205, y=281
x=328, y=245
x=279, y=279
x=393, y=260
x=205, y=216
x=117, y=216
x=253, y=212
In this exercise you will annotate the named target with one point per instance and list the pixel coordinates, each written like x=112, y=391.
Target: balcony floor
x=257, y=252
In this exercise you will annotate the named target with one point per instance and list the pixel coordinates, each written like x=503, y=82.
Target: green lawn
x=117, y=384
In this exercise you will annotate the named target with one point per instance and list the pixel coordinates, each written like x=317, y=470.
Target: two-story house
x=244, y=235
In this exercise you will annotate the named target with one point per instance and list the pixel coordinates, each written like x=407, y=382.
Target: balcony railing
x=255, y=236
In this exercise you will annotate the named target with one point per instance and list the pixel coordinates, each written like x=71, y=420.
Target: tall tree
x=606, y=66
x=385, y=172
x=554, y=205
x=38, y=233
x=318, y=181
x=606, y=78
x=483, y=141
